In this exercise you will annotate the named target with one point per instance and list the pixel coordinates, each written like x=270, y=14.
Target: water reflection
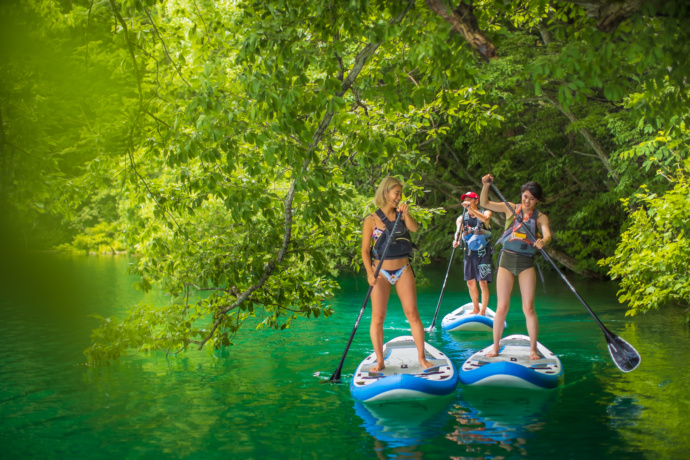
x=624, y=411
x=500, y=418
x=402, y=426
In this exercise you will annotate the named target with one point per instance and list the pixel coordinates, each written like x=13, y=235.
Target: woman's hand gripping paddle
x=624, y=355
x=438, y=306
x=335, y=378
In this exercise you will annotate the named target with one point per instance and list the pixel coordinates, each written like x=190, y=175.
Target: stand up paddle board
x=463, y=319
x=403, y=378
x=513, y=367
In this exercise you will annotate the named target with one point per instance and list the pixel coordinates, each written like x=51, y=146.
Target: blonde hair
x=386, y=185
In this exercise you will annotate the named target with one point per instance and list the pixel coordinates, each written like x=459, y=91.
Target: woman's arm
x=410, y=222
x=484, y=198
x=367, y=230
x=545, y=229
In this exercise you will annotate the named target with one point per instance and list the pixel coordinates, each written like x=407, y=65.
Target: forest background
x=235, y=146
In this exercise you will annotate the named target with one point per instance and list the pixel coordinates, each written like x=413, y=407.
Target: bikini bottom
x=393, y=276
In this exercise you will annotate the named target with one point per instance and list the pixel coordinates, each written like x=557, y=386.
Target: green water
x=263, y=398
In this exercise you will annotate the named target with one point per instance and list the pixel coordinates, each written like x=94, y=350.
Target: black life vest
x=400, y=247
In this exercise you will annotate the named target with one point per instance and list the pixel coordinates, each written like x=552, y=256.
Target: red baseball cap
x=469, y=195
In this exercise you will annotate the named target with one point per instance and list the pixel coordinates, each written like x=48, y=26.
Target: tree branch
x=268, y=269
x=130, y=47
x=570, y=263
x=598, y=149
x=572, y=176
x=464, y=22
x=165, y=48
x=609, y=14
x=360, y=60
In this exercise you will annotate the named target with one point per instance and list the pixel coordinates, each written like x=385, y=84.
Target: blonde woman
x=395, y=271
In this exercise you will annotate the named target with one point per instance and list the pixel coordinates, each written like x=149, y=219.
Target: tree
x=225, y=151
x=243, y=142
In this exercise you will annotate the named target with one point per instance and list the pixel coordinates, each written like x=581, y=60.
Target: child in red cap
x=472, y=228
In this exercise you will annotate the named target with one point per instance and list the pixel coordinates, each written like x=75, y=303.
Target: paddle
x=438, y=306
x=336, y=375
x=624, y=355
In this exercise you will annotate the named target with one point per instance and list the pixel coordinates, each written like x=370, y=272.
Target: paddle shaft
x=438, y=306
x=553, y=264
x=336, y=375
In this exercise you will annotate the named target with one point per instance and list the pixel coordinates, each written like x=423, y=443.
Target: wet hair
x=387, y=184
x=535, y=189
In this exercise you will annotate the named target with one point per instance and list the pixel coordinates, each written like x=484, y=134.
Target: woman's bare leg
x=379, y=304
x=504, y=286
x=407, y=291
x=528, y=284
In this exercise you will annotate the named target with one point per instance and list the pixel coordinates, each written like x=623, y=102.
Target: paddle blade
x=624, y=355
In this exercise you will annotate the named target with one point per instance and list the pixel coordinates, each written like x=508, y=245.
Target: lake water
x=264, y=397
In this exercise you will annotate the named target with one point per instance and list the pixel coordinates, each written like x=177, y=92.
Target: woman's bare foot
x=377, y=368
x=534, y=355
x=483, y=312
x=475, y=312
x=492, y=354
x=425, y=364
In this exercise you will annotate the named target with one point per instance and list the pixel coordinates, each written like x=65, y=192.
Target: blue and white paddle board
x=403, y=378
x=463, y=319
x=513, y=367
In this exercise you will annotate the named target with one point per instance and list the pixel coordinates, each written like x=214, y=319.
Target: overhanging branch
x=360, y=60
x=464, y=22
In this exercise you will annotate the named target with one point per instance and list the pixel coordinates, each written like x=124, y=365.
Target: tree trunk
x=570, y=263
x=607, y=14
x=464, y=22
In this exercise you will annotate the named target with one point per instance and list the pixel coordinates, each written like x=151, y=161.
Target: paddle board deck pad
x=463, y=319
x=403, y=378
x=513, y=367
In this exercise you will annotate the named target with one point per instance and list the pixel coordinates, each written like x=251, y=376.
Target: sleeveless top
x=401, y=246
x=515, y=238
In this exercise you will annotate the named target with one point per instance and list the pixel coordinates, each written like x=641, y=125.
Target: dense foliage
x=235, y=147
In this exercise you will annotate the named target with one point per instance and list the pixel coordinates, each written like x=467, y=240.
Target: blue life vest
x=473, y=241
x=515, y=238
x=402, y=244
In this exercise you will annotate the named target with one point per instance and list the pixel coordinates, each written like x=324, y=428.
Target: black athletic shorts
x=515, y=263
x=479, y=266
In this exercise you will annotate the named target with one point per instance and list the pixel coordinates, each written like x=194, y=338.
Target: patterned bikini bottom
x=393, y=276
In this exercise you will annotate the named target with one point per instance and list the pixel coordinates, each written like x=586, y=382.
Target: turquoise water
x=264, y=397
